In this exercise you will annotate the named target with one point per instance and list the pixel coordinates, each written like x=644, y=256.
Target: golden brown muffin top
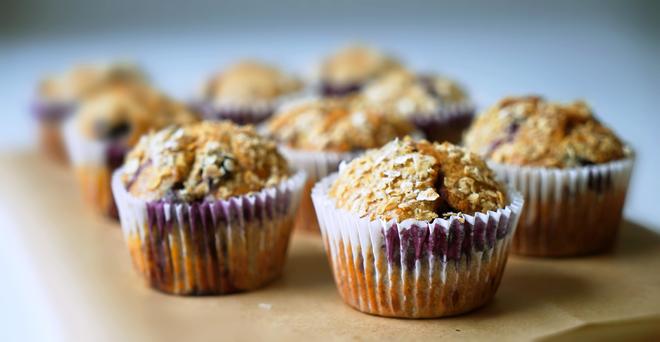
x=402, y=92
x=205, y=160
x=356, y=64
x=531, y=131
x=336, y=125
x=125, y=112
x=408, y=179
x=247, y=82
x=84, y=79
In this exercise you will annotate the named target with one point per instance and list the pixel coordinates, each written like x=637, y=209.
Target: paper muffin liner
x=209, y=247
x=50, y=116
x=329, y=89
x=243, y=114
x=416, y=269
x=94, y=162
x=447, y=124
x=568, y=212
x=317, y=165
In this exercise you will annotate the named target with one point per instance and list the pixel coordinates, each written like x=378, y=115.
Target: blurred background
x=607, y=52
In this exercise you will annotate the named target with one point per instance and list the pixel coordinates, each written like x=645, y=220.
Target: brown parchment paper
x=85, y=269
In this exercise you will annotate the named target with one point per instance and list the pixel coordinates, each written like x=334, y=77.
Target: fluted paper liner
x=209, y=247
x=416, y=269
x=568, y=212
x=447, y=124
x=93, y=162
x=243, y=114
x=50, y=116
x=317, y=165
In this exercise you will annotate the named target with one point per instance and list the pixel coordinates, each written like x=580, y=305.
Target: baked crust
x=206, y=160
x=409, y=179
x=531, y=131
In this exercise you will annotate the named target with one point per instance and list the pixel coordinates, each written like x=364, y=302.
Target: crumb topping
x=531, y=131
x=206, y=160
x=408, y=179
x=356, y=64
x=248, y=81
x=125, y=112
x=84, y=79
x=407, y=94
x=339, y=125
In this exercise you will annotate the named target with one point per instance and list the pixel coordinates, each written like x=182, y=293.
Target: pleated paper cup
x=50, y=116
x=93, y=162
x=317, y=165
x=210, y=247
x=446, y=124
x=568, y=212
x=416, y=269
x=253, y=113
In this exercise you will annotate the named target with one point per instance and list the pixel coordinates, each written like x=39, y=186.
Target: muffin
x=107, y=124
x=416, y=208
x=436, y=105
x=58, y=96
x=207, y=208
x=572, y=170
x=246, y=92
x=348, y=69
x=315, y=135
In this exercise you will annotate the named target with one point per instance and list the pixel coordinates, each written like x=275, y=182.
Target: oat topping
x=339, y=125
x=405, y=93
x=82, y=80
x=127, y=111
x=531, y=131
x=206, y=160
x=356, y=64
x=408, y=179
x=247, y=82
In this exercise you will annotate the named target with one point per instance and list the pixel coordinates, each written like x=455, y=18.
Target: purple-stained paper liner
x=241, y=115
x=415, y=268
x=568, y=212
x=94, y=161
x=210, y=247
x=447, y=124
x=50, y=111
x=328, y=89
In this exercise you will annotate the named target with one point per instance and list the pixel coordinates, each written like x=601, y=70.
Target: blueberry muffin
x=436, y=105
x=246, y=92
x=317, y=134
x=572, y=169
x=107, y=124
x=58, y=96
x=350, y=68
x=410, y=208
x=207, y=208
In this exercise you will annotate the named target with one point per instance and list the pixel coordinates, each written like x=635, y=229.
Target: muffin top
x=84, y=79
x=408, y=179
x=405, y=93
x=356, y=64
x=205, y=160
x=125, y=112
x=334, y=125
x=531, y=131
x=247, y=82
